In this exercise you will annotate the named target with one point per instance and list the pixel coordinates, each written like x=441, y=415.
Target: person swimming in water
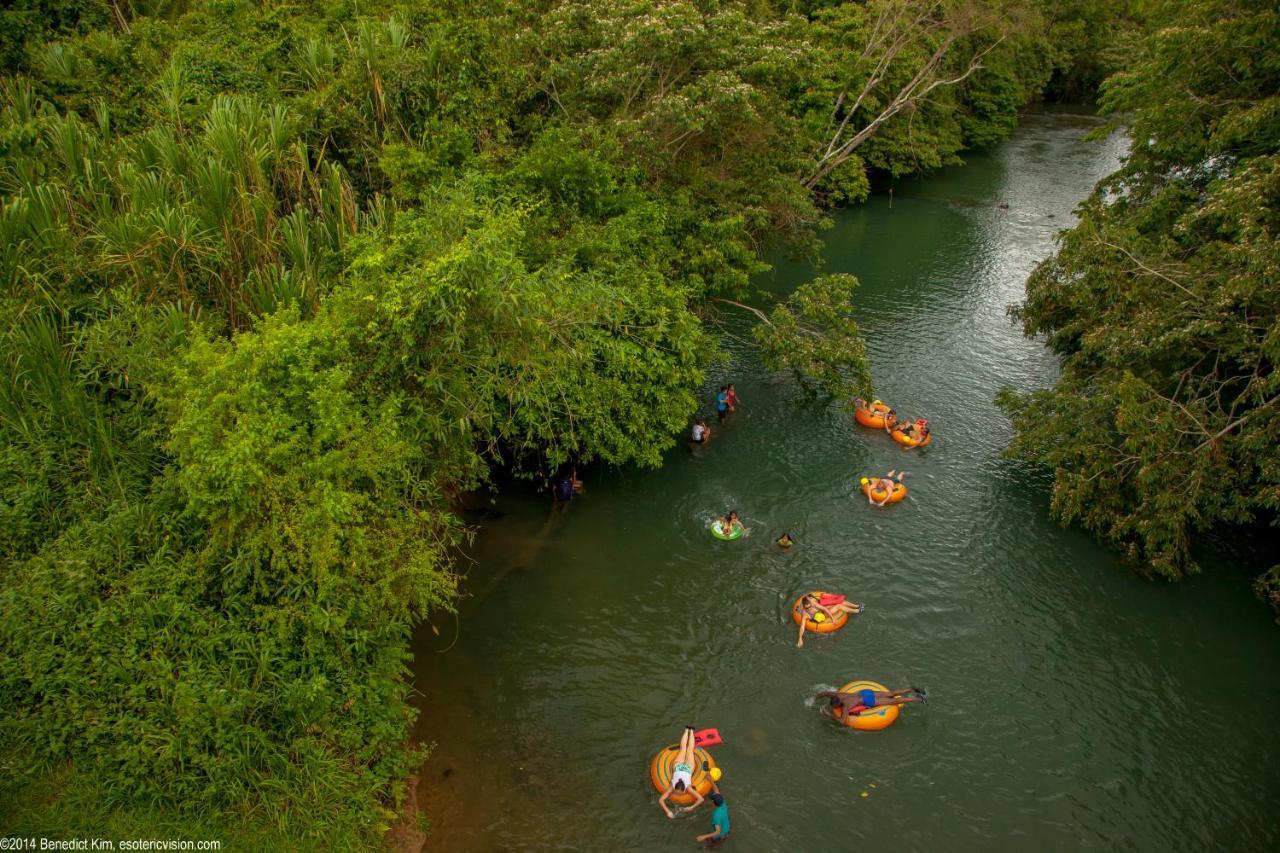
x=862, y=700
x=831, y=606
x=731, y=397
x=722, y=402
x=785, y=540
x=682, y=773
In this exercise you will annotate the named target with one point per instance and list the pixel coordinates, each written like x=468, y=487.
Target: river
x=1073, y=705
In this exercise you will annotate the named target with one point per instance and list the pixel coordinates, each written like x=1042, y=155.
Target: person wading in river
x=700, y=434
x=719, y=821
x=562, y=490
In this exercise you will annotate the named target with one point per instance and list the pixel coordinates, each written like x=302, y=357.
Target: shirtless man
x=884, y=484
x=862, y=700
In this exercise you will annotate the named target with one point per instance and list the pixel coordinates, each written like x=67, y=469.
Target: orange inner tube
x=664, y=764
x=902, y=438
x=871, y=416
x=823, y=627
x=899, y=492
x=872, y=719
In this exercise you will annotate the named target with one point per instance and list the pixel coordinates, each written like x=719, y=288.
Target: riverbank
x=1062, y=685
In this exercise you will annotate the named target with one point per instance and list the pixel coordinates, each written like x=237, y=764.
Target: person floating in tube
x=682, y=773
x=917, y=430
x=885, y=484
x=862, y=700
x=829, y=604
x=730, y=523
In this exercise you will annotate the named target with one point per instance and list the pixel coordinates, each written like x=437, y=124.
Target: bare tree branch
x=910, y=94
x=898, y=26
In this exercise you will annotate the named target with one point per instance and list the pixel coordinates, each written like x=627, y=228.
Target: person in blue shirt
x=719, y=822
x=722, y=402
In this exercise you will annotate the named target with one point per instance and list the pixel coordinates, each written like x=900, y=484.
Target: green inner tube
x=715, y=531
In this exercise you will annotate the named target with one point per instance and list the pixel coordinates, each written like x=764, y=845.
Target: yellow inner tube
x=877, y=495
x=872, y=415
x=902, y=438
x=664, y=765
x=872, y=719
x=826, y=626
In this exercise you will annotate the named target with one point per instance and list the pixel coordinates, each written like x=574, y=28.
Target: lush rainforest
x=283, y=279
x=1165, y=301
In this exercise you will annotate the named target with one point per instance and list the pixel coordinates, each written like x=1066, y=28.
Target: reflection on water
x=1072, y=705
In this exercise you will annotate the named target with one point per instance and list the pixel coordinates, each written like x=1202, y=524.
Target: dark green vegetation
x=281, y=280
x=1165, y=301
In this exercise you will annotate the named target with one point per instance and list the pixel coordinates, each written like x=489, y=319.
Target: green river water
x=1073, y=704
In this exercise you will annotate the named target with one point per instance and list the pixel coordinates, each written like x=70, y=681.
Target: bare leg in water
x=897, y=697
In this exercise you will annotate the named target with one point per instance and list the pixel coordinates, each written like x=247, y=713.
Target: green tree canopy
x=282, y=280
x=1165, y=300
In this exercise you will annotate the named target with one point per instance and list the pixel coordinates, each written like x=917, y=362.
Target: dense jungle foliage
x=1165, y=301
x=282, y=279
